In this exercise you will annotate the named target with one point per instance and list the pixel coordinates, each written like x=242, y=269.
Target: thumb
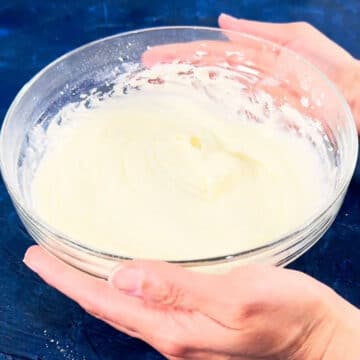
x=279, y=33
x=166, y=284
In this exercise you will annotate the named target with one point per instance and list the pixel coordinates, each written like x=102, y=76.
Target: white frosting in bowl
x=170, y=172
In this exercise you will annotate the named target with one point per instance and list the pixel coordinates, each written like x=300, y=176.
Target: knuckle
x=235, y=313
x=249, y=304
x=242, y=311
x=302, y=26
x=93, y=309
x=172, y=347
x=90, y=308
x=249, y=309
x=170, y=295
x=175, y=343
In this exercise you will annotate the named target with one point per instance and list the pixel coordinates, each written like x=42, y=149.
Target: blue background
x=36, y=322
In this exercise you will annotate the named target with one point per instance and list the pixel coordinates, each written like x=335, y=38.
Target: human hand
x=250, y=313
x=253, y=61
x=335, y=62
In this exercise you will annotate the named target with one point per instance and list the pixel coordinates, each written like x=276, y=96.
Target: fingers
x=172, y=286
x=94, y=295
x=299, y=36
x=199, y=53
x=279, y=33
x=163, y=283
x=167, y=331
x=248, y=60
x=307, y=41
x=211, y=52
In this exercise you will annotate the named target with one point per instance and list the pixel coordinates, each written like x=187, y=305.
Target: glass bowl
x=258, y=65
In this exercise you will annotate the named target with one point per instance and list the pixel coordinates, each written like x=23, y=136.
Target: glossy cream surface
x=163, y=173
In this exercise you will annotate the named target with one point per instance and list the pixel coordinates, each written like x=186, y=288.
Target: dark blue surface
x=36, y=322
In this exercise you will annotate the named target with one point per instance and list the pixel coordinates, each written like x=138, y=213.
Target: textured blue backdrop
x=36, y=322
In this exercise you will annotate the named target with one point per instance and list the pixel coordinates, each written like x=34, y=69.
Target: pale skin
x=253, y=312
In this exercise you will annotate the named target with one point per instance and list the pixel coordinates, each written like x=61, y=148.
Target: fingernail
x=129, y=280
x=29, y=262
x=230, y=17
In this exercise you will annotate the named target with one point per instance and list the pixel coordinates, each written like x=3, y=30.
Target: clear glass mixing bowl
x=258, y=65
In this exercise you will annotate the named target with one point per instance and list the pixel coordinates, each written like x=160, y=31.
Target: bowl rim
x=335, y=196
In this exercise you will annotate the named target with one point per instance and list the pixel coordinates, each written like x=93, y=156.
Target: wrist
x=335, y=332
x=338, y=335
x=344, y=344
